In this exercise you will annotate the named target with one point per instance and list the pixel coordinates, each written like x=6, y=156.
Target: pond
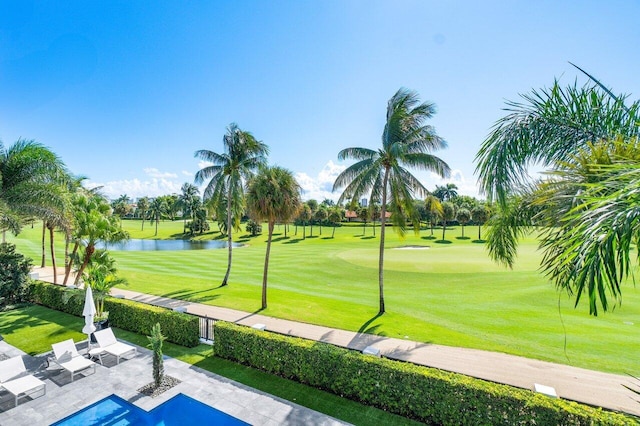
x=155, y=245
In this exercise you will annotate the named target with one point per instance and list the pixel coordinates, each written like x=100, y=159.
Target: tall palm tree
x=588, y=139
x=448, y=213
x=463, y=216
x=142, y=209
x=335, y=216
x=273, y=195
x=406, y=142
x=243, y=155
x=31, y=184
x=189, y=202
x=433, y=206
x=480, y=214
x=157, y=209
x=447, y=192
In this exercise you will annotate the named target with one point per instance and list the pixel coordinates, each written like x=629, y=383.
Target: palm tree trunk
x=304, y=230
x=479, y=238
x=285, y=230
x=67, y=271
x=230, y=238
x=373, y=224
x=462, y=231
x=53, y=256
x=44, y=226
x=383, y=217
x=311, y=228
x=444, y=227
x=266, y=267
x=334, y=231
x=142, y=223
x=66, y=250
x=157, y=221
x=87, y=255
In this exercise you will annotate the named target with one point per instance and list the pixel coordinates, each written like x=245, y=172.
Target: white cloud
x=186, y=173
x=155, y=173
x=136, y=188
x=319, y=187
x=203, y=164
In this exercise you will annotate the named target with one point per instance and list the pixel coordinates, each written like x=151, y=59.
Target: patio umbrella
x=88, y=312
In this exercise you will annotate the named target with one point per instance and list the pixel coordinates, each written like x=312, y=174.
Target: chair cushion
x=22, y=385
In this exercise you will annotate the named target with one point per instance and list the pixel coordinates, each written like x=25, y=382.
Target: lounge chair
x=15, y=380
x=67, y=357
x=107, y=343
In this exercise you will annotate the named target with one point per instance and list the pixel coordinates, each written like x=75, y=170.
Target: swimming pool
x=115, y=411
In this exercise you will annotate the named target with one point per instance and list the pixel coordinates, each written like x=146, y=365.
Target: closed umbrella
x=88, y=312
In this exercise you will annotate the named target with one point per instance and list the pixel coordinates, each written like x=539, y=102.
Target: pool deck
x=64, y=397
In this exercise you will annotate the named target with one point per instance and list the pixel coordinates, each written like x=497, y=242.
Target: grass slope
x=449, y=294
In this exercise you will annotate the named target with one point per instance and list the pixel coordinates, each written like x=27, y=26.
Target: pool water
x=179, y=410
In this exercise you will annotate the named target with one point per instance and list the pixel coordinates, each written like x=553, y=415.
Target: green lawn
x=35, y=328
x=449, y=294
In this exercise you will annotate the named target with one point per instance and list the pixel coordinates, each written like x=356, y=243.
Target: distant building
x=363, y=202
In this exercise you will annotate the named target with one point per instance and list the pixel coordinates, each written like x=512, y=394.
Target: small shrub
x=155, y=342
x=254, y=228
x=14, y=275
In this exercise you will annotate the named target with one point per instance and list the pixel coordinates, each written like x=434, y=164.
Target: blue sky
x=125, y=92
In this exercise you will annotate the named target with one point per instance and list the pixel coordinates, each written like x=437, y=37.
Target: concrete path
x=573, y=383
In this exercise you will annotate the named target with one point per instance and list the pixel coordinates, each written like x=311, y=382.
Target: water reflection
x=155, y=245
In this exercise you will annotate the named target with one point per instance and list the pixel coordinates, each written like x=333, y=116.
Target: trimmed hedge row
x=179, y=328
x=430, y=395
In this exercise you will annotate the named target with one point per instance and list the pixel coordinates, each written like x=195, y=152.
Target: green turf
x=35, y=328
x=449, y=294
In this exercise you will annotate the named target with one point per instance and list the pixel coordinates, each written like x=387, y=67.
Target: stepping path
x=578, y=384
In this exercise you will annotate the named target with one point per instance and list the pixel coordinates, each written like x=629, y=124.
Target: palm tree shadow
x=370, y=237
x=463, y=238
x=479, y=241
x=326, y=238
x=443, y=242
x=275, y=240
x=296, y=241
x=430, y=237
x=364, y=327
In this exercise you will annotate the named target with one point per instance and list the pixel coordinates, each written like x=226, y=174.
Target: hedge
x=177, y=327
x=430, y=395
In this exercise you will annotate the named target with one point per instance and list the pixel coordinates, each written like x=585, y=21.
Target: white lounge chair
x=15, y=380
x=107, y=343
x=67, y=357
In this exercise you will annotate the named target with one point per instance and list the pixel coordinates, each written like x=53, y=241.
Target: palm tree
x=189, y=202
x=304, y=215
x=406, y=142
x=321, y=215
x=448, y=213
x=272, y=195
x=463, y=216
x=93, y=223
x=335, y=216
x=157, y=209
x=242, y=156
x=589, y=140
x=433, y=206
x=32, y=184
x=447, y=192
x=480, y=214
x=142, y=209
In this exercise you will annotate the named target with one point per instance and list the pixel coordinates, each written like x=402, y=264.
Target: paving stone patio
x=64, y=397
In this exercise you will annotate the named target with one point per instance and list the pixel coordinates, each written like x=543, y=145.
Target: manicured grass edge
x=430, y=395
x=177, y=327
